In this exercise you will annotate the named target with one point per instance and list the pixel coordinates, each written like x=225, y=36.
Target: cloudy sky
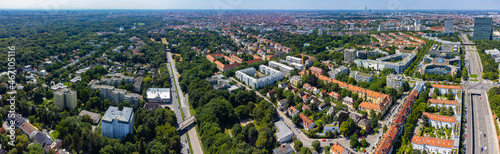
x=252, y=4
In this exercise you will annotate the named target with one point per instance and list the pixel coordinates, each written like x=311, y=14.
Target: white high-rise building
x=117, y=124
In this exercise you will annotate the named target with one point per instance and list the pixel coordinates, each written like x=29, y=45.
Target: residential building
x=334, y=95
x=95, y=117
x=117, y=79
x=159, y=95
x=295, y=80
x=443, y=89
x=439, y=120
x=117, y=124
x=368, y=106
x=483, y=29
x=358, y=76
x=282, y=67
x=41, y=138
x=307, y=123
x=355, y=117
x=316, y=70
x=395, y=81
x=292, y=111
x=432, y=145
x=364, y=124
x=349, y=55
x=294, y=59
x=441, y=103
x=349, y=102
x=339, y=149
x=339, y=70
x=282, y=103
x=283, y=133
x=322, y=106
x=283, y=149
x=58, y=86
x=65, y=98
x=246, y=76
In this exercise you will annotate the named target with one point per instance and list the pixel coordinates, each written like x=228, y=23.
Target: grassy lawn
x=474, y=80
x=54, y=134
x=473, y=76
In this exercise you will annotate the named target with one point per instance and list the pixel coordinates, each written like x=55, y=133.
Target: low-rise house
x=355, y=117
x=322, y=93
x=306, y=97
x=283, y=133
x=364, y=124
x=305, y=107
x=307, y=123
x=322, y=107
x=282, y=103
x=283, y=149
x=314, y=100
x=94, y=117
x=307, y=86
x=292, y=111
x=334, y=95
x=270, y=93
x=339, y=149
x=348, y=101
x=295, y=80
x=331, y=110
x=315, y=90
x=443, y=89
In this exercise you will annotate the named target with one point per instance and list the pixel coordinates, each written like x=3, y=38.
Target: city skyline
x=390, y=5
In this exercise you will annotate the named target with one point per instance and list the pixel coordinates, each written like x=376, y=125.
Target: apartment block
x=395, y=81
x=65, y=98
x=117, y=124
x=246, y=76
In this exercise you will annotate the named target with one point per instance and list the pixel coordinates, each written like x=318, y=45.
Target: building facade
x=118, y=124
x=65, y=98
x=395, y=81
x=358, y=76
x=246, y=76
x=349, y=55
x=483, y=29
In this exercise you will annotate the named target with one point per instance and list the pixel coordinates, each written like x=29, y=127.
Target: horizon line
x=40, y=9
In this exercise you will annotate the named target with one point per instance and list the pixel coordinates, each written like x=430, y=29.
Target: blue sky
x=251, y=4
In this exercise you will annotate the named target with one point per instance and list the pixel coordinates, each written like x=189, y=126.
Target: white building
x=432, y=145
x=283, y=68
x=246, y=76
x=294, y=59
x=159, y=95
x=117, y=124
x=283, y=134
x=439, y=120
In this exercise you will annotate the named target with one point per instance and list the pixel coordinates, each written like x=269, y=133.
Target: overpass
x=186, y=123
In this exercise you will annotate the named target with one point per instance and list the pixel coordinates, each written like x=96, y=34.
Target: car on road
x=324, y=140
x=331, y=144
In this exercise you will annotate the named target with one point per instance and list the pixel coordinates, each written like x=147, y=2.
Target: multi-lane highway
x=193, y=137
x=480, y=128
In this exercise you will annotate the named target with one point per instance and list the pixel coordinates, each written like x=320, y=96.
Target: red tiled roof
x=439, y=117
x=440, y=101
x=444, y=143
x=446, y=86
x=305, y=120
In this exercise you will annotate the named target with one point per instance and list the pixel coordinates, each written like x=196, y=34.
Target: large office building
x=65, y=98
x=246, y=75
x=483, y=28
x=117, y=124
x=399, y=62
x=440, y=65
x=159, y=95
x=448, y=26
